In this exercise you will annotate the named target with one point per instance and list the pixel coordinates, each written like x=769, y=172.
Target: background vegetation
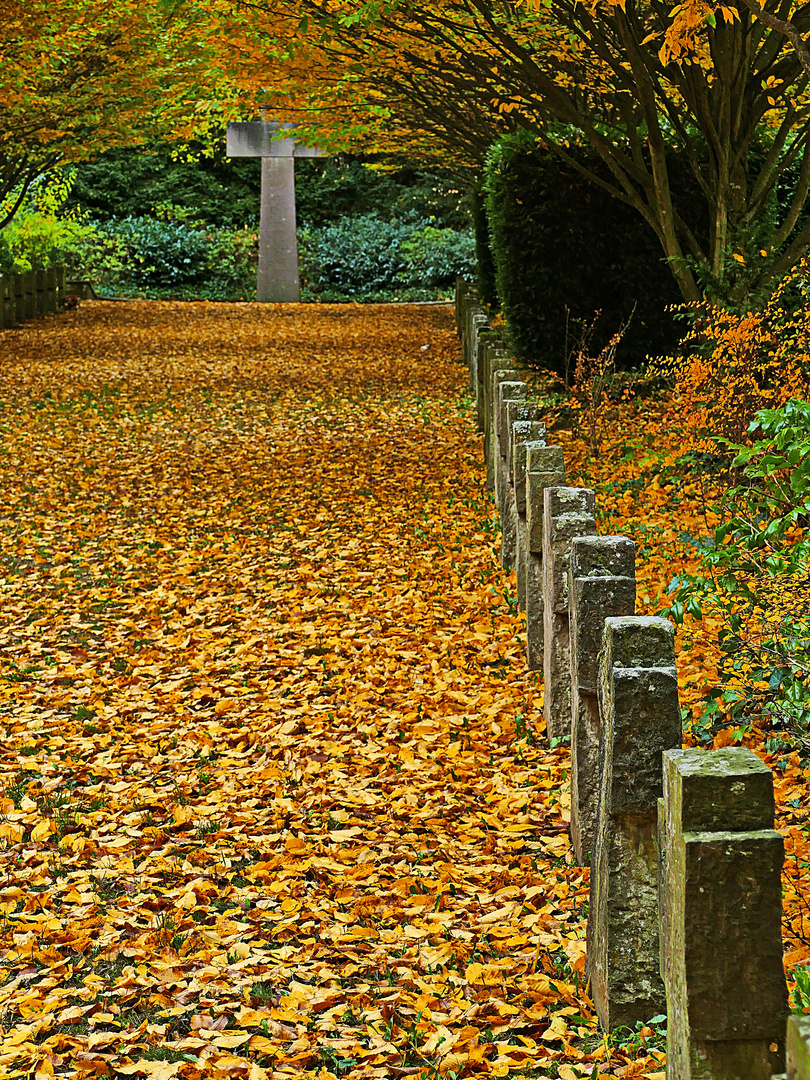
x=159, y=224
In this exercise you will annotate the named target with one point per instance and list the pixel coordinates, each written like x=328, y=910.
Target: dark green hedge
x=224, y=192
x=484, y=263
x=564, y=250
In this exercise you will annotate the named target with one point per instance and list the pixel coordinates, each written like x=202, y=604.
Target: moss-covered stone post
x=545, y=467
x=516, y=390
x=478, y=323
x=490, y=345
x=721, y=914
x=640, y=719
x=602, y=585
x=567, y=512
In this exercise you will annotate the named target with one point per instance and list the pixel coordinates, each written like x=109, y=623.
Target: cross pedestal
x=278, y=248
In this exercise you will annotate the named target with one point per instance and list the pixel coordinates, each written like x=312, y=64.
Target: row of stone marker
x=29, y=295
x=685, y=903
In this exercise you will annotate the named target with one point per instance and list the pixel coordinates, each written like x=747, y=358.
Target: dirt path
x=272, y=799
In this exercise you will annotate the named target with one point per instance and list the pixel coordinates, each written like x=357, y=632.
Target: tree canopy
x=713, y=93
x=78, y=79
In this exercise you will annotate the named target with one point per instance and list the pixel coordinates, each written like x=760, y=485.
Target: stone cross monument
x=278, y=249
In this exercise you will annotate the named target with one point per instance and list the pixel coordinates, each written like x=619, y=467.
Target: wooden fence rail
x=30, y=295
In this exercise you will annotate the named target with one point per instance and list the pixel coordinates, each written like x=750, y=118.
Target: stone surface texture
x=798, y=1048
x=520, y=416
x=508, y=389
x=501, y=369
x=545, y=467
x=602, y=585
x=721, y=910
x=567, y=512
x=640, y=718
x=524, y=433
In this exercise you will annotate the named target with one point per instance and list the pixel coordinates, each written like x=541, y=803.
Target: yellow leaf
x=42, y=831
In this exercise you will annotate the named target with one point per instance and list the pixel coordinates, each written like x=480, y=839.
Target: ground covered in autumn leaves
x=273, y=798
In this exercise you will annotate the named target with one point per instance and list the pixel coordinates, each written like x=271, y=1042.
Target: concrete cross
x=278, y=248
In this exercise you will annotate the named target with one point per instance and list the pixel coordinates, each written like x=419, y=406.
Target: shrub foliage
x=567, y=256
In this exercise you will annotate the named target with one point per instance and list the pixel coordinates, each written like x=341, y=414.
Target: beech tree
x=716, y=92
x=77, y=79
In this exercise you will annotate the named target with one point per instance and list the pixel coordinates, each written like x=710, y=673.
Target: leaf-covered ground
x=273, y=797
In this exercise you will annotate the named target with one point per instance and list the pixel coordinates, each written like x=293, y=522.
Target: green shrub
x=754, y=573
x=485, y=278
x=435, y=256
x=567, y=255
x=161, y=252
x=224, y=192
x=367, y=255
x=168, y=255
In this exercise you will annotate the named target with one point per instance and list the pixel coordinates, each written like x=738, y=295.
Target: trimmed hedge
x=485, y=276
x=565, y=250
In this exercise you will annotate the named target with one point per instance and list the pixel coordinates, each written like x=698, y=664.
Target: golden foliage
x=735, y=364
x=271, y=797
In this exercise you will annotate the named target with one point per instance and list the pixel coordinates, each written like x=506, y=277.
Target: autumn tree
x=715, y=94
x=77, y=79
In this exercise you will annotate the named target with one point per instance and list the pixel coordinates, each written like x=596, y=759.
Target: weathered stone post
x=545, y=468
x=567, y=512
x=504, y=369
x=512, y=389
x=602, y=585
x=640, y=718
x=721, y=911
x=525, y=432
x=478, y=324
x=493, y=355
x=517, y=412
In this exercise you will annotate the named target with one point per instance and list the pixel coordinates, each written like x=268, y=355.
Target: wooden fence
x=30, y=295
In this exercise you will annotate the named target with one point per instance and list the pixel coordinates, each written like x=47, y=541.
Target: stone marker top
x=259, y=139
x=522, y=412
x=563, y=503
x=603, y=556
x=728, y=790
x=544, y=459
x=523, y=430
x=640, y=641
